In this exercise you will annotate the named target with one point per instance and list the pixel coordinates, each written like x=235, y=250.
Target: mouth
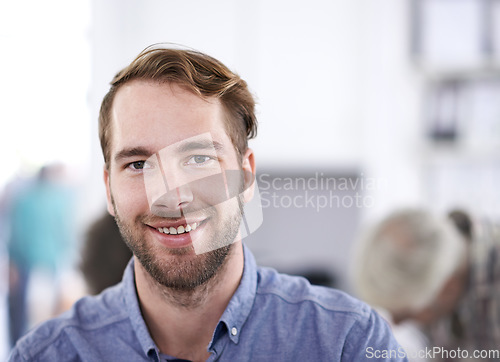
x=177, y=233
x=177, y=226
x=176, y=230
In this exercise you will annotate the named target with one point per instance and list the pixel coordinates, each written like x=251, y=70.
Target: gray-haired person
x=442, y=273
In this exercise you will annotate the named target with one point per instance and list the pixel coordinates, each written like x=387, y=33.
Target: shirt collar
x=234, y=317
x=240, y=305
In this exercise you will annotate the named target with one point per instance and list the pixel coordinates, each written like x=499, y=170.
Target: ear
x=108, y=191
x=248, y=166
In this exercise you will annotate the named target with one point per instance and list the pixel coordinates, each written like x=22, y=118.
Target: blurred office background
x=364, y=106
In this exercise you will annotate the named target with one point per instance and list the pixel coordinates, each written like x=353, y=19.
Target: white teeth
x=179, y=230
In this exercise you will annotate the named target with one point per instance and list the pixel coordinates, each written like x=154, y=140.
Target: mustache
x=191, y=210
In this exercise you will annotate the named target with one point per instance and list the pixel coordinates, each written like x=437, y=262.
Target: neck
x=172, y=315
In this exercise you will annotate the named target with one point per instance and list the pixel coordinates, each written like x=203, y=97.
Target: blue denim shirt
x=271, y=317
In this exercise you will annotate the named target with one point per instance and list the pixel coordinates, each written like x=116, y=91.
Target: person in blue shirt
x=174, y=129
x=41, y=239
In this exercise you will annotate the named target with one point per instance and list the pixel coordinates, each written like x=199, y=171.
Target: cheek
x=129, y=197
x=229, y=209
x=211, y=190
x=218, y=188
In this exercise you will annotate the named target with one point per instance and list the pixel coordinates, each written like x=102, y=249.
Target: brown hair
x=197, y=72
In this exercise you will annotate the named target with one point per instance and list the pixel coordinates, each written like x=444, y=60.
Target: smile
x=178, y=230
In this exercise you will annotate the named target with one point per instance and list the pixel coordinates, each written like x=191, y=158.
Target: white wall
x=391, y=104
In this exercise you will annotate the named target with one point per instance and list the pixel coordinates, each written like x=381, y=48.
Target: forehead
x=157, y=115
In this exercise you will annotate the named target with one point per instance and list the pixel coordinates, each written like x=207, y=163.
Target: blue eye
x=198, y=160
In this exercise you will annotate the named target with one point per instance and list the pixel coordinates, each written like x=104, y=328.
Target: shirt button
x=234, y=331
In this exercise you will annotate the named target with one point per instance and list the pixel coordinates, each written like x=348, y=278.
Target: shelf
x=461, y=152
x=433, y=73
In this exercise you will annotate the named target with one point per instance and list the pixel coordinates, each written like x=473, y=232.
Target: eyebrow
x=133, y=152
x=186, y=147
x=200, y=145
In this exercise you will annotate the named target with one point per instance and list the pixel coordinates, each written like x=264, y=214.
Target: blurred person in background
x=104, y=256
x=442, y=273
x=40, y=240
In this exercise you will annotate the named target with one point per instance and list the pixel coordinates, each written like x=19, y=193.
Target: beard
x=181, y=269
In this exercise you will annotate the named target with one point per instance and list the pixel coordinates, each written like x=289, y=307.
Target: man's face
x=170, y=181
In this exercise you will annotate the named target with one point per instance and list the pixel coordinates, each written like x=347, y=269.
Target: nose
x=171, y=203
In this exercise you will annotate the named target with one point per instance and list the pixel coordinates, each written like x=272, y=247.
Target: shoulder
x=297, y=290
x=329, y=321
x=64, y=335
